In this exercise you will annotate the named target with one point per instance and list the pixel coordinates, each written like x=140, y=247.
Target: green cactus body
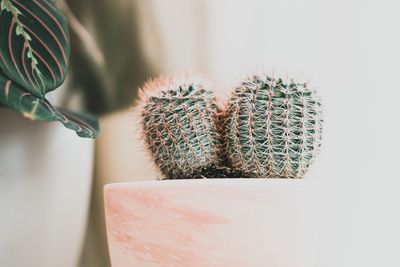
x=272, y=129
x=179, y=125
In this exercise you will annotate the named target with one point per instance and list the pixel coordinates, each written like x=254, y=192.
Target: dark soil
x=211, y=172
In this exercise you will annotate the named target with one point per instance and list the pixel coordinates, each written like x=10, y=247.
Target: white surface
x=45, y=179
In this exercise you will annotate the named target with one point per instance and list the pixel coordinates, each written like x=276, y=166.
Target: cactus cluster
x=270, y=128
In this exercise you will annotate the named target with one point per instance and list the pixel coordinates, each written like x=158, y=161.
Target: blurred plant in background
x=109, y=68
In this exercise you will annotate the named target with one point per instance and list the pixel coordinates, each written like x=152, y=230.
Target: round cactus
x=179, y=125
x=272, y=128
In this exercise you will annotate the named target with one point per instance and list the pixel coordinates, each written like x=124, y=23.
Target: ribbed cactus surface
x=272, y=128
x=179, y=125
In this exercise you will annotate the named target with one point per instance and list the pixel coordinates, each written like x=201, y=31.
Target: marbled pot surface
x=211, y=223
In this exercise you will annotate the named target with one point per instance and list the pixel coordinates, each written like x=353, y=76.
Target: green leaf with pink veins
x=34, y=53
x=34, y=44
x=40, y=109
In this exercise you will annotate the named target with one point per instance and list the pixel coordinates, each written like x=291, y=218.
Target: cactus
x=272, y=129
x=179, y=115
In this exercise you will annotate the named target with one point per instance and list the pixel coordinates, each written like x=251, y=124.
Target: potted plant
x=45, y=171
x=270, y=128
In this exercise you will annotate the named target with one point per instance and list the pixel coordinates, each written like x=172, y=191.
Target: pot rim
x=201, y=182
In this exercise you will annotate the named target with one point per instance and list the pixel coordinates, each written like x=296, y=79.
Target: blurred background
x=347, y=49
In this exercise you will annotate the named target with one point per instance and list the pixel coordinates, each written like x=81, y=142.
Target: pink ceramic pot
x=211, y=223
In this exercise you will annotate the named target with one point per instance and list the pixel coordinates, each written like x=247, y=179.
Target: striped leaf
x=34, y=44
x=40, y=109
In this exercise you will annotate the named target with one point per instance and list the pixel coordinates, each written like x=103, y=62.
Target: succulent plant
x=179, y=115
x=34, y=53
x=272, y=128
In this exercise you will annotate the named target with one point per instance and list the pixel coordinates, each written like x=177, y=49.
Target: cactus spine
x=272, y=129
x=179, y=124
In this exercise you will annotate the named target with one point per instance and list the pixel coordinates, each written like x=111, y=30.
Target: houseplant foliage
x=268, y=129
x=34, y=54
